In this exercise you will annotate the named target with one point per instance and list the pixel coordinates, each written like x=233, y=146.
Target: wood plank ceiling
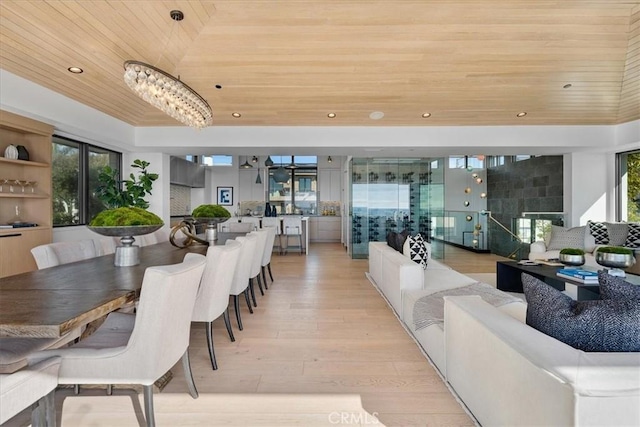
x=291, y=62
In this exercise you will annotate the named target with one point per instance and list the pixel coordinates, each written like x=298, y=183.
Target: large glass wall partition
x=391, y=195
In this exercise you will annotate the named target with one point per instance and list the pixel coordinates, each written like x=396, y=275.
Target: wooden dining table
x=49, y=303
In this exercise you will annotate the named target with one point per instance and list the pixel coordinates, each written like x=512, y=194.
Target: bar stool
x=292, y=227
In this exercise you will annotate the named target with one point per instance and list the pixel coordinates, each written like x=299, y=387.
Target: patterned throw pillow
x=599, y=231
x=617, y=232
x=614, y=287
x=566, y=238
x=599, y=325
x=633, y=236
x=416, y=249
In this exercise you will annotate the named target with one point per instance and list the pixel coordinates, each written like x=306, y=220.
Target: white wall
x=589, y=187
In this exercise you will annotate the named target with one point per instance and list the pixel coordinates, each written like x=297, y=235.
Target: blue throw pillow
x=614, y=287
x=601, y=325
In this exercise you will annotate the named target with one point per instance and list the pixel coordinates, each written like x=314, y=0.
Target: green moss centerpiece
x=127, y=215
x=212, y=215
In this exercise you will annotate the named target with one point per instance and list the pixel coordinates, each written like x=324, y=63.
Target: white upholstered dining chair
x=242, y=274
x=266, y=255
x=32, y=385
x=52, y=254
x=256, y=266
x=276, y=222
x=215, y=286
x=140, y=348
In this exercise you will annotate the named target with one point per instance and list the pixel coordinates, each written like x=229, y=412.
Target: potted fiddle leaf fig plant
x=126, y=215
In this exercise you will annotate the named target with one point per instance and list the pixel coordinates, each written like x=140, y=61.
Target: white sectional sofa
x=505, y=372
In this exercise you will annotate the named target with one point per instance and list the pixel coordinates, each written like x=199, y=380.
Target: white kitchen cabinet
x=325, y=228
x=330, y=184
x=248, y=189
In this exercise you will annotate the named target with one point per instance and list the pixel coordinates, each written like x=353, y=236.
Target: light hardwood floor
x=322, y=328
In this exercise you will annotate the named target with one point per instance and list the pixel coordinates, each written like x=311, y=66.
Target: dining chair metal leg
x=260, y=284
x=186, y=367
x=227, y=323
x=246, y=297
x=264, y=277
x=253, y=293
x=236, y=306
x=148, y=405
x=212, y=354
x=270, y=275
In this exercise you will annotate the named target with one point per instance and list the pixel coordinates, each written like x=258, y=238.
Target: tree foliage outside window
x=75, y=170
x=633, y=186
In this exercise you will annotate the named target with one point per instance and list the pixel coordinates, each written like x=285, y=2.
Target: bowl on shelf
x=571, y=257
x=615, y=259
x=571, y=260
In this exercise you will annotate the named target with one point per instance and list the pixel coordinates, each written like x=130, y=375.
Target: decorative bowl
x=128, y=230
x=612, y=260
x=574, y=260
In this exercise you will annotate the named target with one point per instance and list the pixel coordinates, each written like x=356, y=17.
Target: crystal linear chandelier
x=168, y=94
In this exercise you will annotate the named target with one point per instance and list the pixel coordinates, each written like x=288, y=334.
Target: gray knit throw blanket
x=429, y=310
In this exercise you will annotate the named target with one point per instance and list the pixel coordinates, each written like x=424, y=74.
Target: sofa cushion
x=617, y=232
x=614, y=287
x=600, y=325
x=416, y=249
x=633, y=236
x=599, y=231
x=566, y=237
x=392, y=238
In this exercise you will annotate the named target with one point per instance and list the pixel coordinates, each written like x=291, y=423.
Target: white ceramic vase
x=11, y=152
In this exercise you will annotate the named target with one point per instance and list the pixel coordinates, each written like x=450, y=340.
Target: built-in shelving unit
x=33, y=202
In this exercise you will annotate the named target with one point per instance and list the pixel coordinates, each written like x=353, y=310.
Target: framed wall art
x=225, y=196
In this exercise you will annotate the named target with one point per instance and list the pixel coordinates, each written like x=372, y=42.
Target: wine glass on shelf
x=2, y=181
x=27, y=184
x=33, y=186
x=22, y=184
x=17, y=183
x=10, y=182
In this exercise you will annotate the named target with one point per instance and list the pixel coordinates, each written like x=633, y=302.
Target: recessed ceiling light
x=75, y=70
x=567, y=86
x=426, y=115
x=331, y=115
x=236, y=115
x=522, y=114
x=376, y=115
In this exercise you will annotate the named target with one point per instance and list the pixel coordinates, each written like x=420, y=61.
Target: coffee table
x=509, y=278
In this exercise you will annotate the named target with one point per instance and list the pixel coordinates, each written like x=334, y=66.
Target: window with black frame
x=293, y=184
x=74, y=175
x=628, y=208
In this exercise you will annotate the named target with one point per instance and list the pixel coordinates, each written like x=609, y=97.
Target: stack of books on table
x=587, y=277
